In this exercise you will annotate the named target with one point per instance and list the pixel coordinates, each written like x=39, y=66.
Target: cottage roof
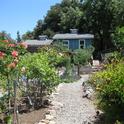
x=73, y=36
x=38, y=42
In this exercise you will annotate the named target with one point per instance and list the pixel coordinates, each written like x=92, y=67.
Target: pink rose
x=11, y=45
x=14, y=53
x=2, y=54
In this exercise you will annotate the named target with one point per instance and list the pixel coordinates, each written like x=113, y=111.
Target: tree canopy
x=100, y=17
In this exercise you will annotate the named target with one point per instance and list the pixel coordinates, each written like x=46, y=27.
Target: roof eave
x=73, y=38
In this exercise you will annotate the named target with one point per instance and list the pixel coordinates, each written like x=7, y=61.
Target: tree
x=71, y=18
x=102, y=17
x=49, y=33
x=99, y=17
x=59, y=17
x=118, y=6
x=28, y=35
x=119, y=38
x=18, y=37
x=38, y=30
x=5, y=36
x=53, y=18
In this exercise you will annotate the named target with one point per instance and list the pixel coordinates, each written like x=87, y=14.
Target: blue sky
x=22, y=15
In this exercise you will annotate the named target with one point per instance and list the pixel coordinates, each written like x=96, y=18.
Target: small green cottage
x=74, y=40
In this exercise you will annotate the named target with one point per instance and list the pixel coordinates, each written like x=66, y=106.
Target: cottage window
x=82, y=44
x=66, y=43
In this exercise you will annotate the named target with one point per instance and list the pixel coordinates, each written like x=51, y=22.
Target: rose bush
x=10, y=54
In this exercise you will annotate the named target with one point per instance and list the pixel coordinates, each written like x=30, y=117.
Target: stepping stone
x=42, y=123
x=52, y=122
x=49, y=117
x=45, y=121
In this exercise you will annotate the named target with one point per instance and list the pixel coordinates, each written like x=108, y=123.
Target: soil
x=33, y=117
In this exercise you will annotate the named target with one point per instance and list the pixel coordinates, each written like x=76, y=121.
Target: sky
x=22, y=15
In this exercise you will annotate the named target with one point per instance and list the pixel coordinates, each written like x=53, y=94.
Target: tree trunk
x=8, y=88
x=15, y=117
x=78, y=71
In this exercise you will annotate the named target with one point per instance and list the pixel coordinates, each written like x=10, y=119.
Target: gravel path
x=69, y=107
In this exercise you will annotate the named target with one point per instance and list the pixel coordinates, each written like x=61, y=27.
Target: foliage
x=82, y=56
x=55, y=54
x=99, y=14
x=119, y=37
x=112, y=57
x=52, y=19
x=18, y=37
x=3, y=103
x=5, y=36
x=37, y=66
x=2, y=82
x=28, y=36
x=73, y=15
x=24, y=74
x=58, y=19
x=9, y=55
x=59, y=56
x=49, y=33
x=100, y=17
x=109, y=85
x=38, y=30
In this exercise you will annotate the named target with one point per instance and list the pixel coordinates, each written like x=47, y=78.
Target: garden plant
x=109, y=85
x=10, y=54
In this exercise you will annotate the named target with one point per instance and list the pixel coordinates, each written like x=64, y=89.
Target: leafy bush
x=10, y=54
x=82, y=57
x=109, y=85
x=112, y=57
x=58, y=57
x=37, y=67
x=56, y=54
x=118, y=37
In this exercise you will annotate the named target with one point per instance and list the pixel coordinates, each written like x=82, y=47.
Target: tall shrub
x=9, y=58
x=109, y=85
x=82, y=57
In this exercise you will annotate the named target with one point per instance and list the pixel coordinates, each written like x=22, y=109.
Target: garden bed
x=33, y=117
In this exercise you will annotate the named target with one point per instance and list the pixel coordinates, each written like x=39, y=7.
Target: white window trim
x=80, y=43
x=66, y=41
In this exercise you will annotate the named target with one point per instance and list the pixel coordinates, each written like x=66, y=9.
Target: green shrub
x=112, y=57
x=109, y=85
x=82, y=56
x=37, y=66
x=118, y=37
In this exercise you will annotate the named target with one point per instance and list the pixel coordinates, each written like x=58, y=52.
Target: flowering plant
x=9, y=55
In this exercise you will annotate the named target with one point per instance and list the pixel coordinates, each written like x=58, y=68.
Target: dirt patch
x=33, y=117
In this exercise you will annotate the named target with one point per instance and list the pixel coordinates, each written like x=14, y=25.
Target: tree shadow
x=102, y=118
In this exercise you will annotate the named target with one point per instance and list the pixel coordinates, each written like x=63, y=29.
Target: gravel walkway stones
x=69, y=107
